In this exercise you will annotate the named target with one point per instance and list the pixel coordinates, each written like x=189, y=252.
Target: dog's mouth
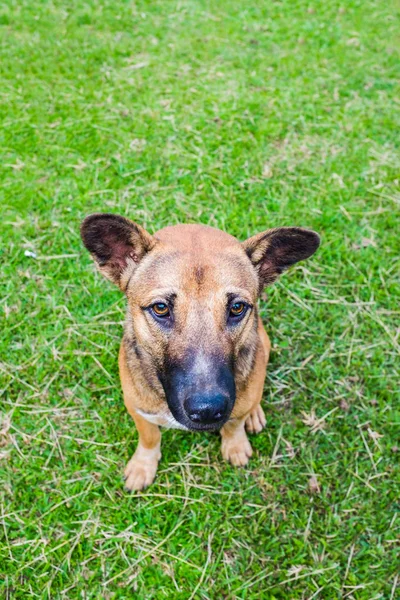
x=216, y=426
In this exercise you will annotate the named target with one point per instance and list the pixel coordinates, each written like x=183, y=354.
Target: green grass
x=243, y=115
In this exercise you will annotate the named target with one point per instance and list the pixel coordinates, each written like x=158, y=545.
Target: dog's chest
x=163, y=419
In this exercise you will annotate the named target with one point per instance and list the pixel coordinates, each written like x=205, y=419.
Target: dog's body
x=194, y=352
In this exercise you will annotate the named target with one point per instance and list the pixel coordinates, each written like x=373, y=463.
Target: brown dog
x=194, y=352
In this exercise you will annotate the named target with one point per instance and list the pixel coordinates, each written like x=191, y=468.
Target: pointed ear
x=116, y=244
x=273, y=251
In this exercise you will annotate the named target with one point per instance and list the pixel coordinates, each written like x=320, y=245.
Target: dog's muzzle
x=200, y=392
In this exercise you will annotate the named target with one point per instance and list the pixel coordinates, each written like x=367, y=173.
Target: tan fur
x=198, y=266
x=204, y=270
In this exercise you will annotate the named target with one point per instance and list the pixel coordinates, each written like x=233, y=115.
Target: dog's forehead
x=199, y=260
x=195, y=237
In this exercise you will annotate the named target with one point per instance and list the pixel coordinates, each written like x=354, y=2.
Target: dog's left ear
x=117, y=245
x=273, y=251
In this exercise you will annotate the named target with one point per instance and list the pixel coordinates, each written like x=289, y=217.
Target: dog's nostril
x=195, y=417
x=206, y=410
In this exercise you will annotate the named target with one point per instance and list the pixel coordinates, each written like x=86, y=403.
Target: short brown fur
x=196, y=268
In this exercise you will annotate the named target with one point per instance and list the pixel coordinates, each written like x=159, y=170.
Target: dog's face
x=192, y=293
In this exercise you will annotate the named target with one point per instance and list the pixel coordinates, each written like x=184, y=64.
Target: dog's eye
x=160, y=309
x=237, y=309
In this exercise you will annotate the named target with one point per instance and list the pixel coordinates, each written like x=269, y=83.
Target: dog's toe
x=237, y=453
x=238, y=459
x=139, y=474
x=256, y=421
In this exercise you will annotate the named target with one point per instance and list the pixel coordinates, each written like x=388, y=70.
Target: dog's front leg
x=141, y=469
x=235, y=447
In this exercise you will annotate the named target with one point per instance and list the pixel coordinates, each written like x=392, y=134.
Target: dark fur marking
x=136, y=348
x=199, y=274
x=146, y=367
x=246, y=357
x=245, y=351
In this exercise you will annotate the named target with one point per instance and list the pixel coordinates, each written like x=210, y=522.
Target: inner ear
x=111, y=241
x=115, y=242
x=273, y=251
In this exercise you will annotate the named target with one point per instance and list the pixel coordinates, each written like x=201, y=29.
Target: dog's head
x=192, y=293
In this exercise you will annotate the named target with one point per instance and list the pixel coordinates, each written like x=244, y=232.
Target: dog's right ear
x=116, y=244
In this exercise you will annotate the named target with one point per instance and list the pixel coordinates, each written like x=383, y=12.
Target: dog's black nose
x=206, y=409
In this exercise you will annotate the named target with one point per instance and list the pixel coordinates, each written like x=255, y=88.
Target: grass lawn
x=242, y=115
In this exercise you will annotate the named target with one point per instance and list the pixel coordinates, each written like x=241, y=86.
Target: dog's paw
x=256, y=421
x=237, y=452
x=139, y=474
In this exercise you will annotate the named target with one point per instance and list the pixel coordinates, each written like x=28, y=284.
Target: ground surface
x=243, y=116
